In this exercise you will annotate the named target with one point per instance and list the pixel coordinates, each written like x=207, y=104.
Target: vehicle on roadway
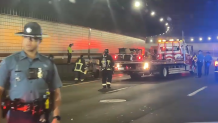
x=169, y=57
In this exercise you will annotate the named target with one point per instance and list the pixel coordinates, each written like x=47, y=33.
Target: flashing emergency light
x=159, y=40
x=209, y=38
x=139, y=57
x=115, y=57
x=216, y=63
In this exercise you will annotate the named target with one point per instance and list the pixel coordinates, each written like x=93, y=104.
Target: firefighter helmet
x=106, y=51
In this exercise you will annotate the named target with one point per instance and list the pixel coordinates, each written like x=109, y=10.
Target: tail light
x=139, y=57
x=216, y=63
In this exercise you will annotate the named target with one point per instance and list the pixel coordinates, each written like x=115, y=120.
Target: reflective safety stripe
x=108, y=69
x=85, y=71
x=78, y=65
x=104, y=84
x=82, y=79
x=108, y=83
x=76, y=79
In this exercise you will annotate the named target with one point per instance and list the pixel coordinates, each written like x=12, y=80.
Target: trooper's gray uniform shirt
x=16, y=66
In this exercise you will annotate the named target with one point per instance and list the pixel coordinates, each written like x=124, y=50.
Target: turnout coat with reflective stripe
x=80, y=65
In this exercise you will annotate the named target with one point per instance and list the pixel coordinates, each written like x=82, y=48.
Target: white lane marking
x=112, y=100
x=201, y=122
x=117, y=90
x=193, y=93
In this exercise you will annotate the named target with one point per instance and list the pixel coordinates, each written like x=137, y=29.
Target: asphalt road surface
x=178, y=99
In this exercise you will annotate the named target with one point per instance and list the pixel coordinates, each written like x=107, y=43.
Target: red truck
x=168, y=57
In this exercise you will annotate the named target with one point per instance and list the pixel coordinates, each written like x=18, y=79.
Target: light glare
x=200, y=39
x=137, y=4
x=152, y=13
x=161, y=19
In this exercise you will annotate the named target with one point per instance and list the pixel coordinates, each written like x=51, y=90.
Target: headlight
x=146, y=65
x=118, y=65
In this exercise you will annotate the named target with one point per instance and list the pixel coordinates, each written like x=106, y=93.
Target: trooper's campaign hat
x=32, y=29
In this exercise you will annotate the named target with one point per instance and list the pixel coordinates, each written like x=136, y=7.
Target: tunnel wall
x=60, y=36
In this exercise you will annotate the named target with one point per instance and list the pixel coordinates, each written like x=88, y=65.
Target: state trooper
x=79, y=69
x=200, y=61
x=107, y=67
x=31, y=76
x=207, y=62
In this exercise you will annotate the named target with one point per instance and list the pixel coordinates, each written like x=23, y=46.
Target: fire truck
x=168, y=57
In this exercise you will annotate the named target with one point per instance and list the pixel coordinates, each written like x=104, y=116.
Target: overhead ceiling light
x=152, y=13
x=72, y=1
x=200, y=39
x=137, y=4
x=161, y=19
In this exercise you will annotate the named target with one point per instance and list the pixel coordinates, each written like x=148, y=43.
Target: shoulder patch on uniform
x=3, y=62
x=44, y=57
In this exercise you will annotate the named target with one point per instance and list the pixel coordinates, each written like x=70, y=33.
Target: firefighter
x=194, y=58
x=80, y=69
x=200, y=61
x=194, y=62
x=107, y=65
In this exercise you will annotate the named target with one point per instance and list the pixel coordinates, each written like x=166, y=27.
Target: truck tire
x=135, y=76
x=164, y=73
